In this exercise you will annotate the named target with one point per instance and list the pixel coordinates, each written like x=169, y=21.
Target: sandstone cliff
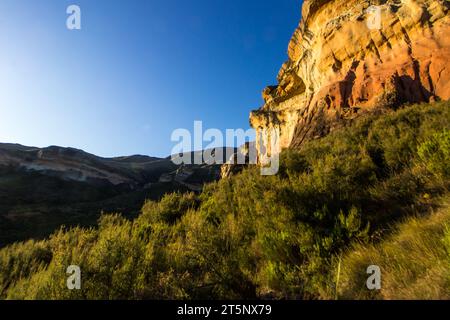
x=344, y=63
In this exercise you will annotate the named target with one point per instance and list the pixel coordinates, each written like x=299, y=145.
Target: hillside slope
x=253, y=236
x=414, y=261
x=42, y=189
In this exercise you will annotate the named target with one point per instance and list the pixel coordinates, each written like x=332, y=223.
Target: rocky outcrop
x=193, y=177
x=350, y=57
x=244, y=156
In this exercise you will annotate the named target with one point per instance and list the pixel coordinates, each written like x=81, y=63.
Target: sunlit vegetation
x=414, y=260
x=356, y=197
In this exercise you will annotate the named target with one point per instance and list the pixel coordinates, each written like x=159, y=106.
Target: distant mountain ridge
x=44, y=188
x=77, y=165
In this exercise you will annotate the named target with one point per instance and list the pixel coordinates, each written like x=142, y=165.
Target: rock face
x=244, y=156
x=350, y=57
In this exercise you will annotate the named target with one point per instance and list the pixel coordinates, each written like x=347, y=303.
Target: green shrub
x=414, y=262
x=254, y=236
x=20, y=261
x=170, y=208
x=435, y=154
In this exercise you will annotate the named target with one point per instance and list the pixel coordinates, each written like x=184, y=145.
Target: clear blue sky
x=137, y=70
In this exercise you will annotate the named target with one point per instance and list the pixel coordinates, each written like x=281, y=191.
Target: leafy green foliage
x=414, y=261
x=251, y=236
x=435, y=153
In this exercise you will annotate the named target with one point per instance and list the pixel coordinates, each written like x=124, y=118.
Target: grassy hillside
x=414, y=260
x=337, y=204
x=34, y=205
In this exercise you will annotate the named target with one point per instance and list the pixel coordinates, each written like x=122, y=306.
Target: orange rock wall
x=340, y=66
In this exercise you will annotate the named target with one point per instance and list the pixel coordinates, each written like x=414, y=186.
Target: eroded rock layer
x=350, y=57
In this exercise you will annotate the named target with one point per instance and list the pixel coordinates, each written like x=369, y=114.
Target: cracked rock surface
x=343, y=62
